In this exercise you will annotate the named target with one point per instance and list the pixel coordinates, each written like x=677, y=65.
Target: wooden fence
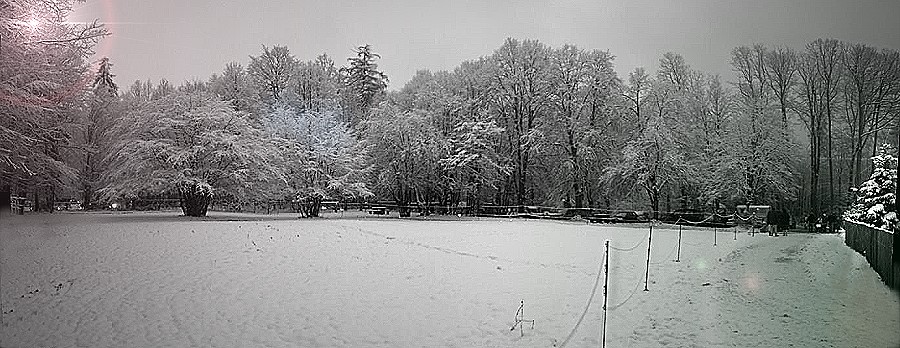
x=877, y=246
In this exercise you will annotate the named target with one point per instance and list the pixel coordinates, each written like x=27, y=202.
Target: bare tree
x=636, y=94
x=825, y=55
x=271, y=71
x=750, y=65
x=781, y=72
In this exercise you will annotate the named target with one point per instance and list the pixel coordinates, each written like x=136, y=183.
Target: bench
x=378, y=210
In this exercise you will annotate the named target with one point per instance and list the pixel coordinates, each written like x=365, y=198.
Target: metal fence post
x=649, y=243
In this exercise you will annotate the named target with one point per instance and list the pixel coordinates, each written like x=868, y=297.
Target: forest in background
x=527, y=124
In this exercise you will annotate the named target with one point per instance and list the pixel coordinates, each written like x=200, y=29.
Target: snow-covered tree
x=875, y=197
x=364, y=82
x=752, y=158
x=236, y=87
x=433, y=92
x=195, y=146
x=520, y=90
x=584, y=123
x=453, y=108
x=473, y=162
x=96, y=137
x=44, y=73
x=321, y=157
x=754, y=161
x=652, y=162
x=406, y=150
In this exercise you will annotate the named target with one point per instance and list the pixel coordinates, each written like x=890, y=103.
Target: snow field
x=149, y=279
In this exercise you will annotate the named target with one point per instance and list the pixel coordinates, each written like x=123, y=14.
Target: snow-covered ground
x=155, y=279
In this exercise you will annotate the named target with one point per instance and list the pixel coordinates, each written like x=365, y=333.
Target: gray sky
x=185, y=39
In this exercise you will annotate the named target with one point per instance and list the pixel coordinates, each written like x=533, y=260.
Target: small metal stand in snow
x=520, y=320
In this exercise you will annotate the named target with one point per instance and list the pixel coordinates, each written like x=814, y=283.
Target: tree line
x=528, y=124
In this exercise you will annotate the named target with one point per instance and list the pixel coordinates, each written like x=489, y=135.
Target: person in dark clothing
x=772, y=222
x=832, y=221
x=785, y=222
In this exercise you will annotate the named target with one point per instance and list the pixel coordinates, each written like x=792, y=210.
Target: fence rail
x=877, y=246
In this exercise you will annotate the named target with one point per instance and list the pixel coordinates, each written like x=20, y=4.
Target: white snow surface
x=235, y=280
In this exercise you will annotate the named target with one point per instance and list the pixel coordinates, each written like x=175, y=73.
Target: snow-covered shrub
x=195, y=146
x=875, y=197
x=321, y=155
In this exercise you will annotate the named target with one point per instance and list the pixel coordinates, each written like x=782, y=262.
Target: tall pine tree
x=365, y=83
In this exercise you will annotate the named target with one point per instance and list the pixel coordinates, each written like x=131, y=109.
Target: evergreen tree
x=364, y=81
x=96, y=126
x=875, y=197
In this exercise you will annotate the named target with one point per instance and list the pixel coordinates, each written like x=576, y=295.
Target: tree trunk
x=523, y=173
x=5, y=199
x=830, y=161
x=403, y=202
x=653, y=193
x=195, y=198
x=312, y=206
x=784, y=118
x=814, y=166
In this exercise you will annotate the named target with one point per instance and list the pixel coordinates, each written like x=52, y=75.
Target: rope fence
x=604, y=271
x=629, y=249
x=590, y=299
x=603, y=215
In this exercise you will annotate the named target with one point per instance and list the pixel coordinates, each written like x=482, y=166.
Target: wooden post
x=605, y=294
x=678, y=255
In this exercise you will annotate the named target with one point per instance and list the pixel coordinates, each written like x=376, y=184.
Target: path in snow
x=812, y=290
x=796, y=291
x=151, y=279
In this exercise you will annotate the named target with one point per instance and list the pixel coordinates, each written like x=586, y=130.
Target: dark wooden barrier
x=877, y=246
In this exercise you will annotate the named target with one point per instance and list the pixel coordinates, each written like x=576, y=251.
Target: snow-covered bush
x=875, y=197
x=321, y=156
x=193, y=145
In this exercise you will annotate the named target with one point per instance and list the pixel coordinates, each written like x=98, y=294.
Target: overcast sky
x=187, y=39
